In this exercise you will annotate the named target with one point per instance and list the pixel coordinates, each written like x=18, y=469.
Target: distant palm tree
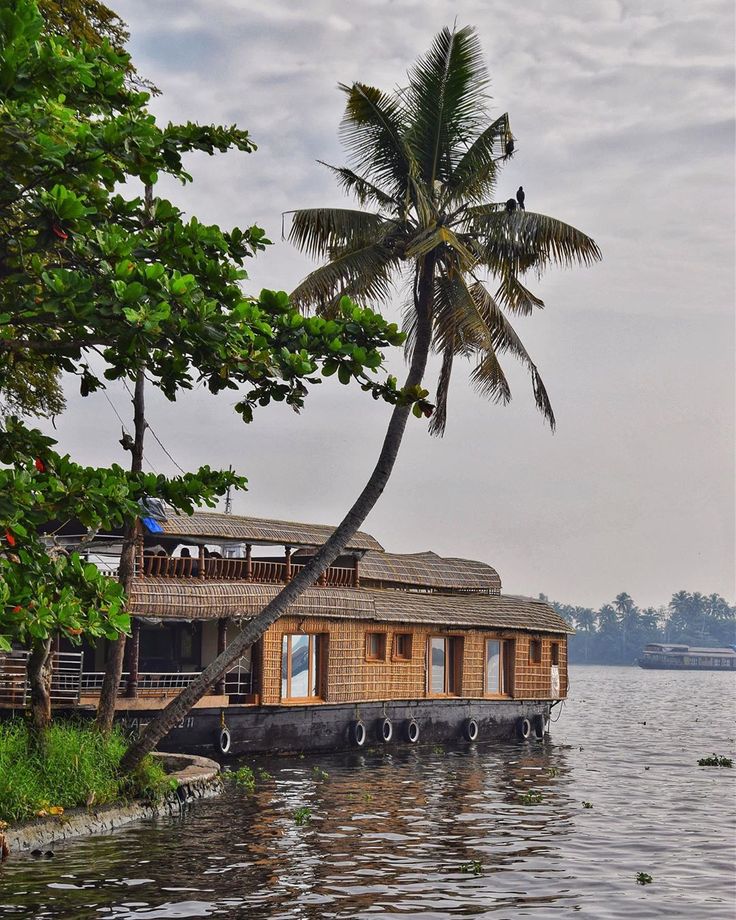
x=427, y=160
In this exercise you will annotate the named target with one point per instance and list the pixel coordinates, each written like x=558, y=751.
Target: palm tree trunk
x=114, y=666
x=335, y=545
x=39, y=679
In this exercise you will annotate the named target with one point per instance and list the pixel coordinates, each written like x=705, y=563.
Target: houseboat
x=385, y=649
x=688, y=658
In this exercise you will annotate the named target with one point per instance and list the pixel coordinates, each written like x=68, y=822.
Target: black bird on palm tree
x=520, y=196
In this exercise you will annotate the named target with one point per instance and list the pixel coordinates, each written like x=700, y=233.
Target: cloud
x=624, y=114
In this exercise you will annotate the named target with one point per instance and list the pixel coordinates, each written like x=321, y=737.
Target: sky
x=624, y=119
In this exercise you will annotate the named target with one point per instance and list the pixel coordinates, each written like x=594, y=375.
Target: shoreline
x=197, y=778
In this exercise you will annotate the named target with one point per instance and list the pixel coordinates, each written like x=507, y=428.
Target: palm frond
x=364, y=272
x=318, y=230
x=359, y=186
x=524, y=240
x=442, y=236
x=372, y=131
x=438, y=421
x=473, y=178
x=504, y=338
x=445, y=101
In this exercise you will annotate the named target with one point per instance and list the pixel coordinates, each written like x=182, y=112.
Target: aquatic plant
x=303, y=815
x=531, y=798
x=245, y=778
x=643, y=878
x=715, y=761
x=78, y=767
x=319, y=773
x=553, y=771
x=587, y=804
x=263, y=775
x=475, y=867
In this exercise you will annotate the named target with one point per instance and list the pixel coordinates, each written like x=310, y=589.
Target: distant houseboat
x=385, y=649
x=688, y=658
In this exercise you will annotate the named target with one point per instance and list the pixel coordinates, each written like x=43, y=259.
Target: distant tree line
x=617, y=632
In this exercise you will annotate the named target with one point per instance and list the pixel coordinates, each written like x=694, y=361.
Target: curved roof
x=257, y=530
x=193, y=599
x=428, y=570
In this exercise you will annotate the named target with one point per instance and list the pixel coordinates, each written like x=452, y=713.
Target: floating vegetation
x=643, y=878
x=587, y=804
x=319, y=773
x=715, y=761
x=553, y=771
x=438, y=749
x=531, y=798
x=303, y=815
x=367, y=797
x=264, y=775
x=245, y=778
x=475, y=867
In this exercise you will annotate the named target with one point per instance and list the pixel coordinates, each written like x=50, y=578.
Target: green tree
x=105, y=287
x=427, y=159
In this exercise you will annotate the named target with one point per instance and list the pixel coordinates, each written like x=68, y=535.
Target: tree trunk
x=114, y=666
x=328, y=552
x=40, y=666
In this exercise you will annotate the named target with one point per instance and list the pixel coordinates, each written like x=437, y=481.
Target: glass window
x=438, y=665
x=494, y=667
x=402, y=646
x=445, y=664
x=300, y=667
x=375, y=646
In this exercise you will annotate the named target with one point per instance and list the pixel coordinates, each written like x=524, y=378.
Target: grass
x=531, y=798
x=715, y=761
x=303, y=815
x=77, y=767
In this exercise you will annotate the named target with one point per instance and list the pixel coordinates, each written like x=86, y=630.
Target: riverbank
x=189, y=778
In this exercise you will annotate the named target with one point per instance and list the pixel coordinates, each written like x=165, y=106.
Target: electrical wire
x=125, y=430
x=155, y=436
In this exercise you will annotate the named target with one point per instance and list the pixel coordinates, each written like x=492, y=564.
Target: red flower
x=10, y=538
x=60, y=233
x=17, y=608
x=39, y=464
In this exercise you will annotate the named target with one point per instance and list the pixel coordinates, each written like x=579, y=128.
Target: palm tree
x=427, y=160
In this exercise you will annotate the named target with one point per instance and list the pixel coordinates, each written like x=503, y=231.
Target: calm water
x=389, y=833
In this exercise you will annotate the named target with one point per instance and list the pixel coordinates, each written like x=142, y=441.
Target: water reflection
x=391, y=830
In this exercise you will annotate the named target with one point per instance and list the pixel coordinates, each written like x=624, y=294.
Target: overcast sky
x=624, y=114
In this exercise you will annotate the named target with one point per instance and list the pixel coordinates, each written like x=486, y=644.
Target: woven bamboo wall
x=350, y=678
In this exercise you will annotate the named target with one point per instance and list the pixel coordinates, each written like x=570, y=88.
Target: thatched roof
x=258, y=530
x=193, y=599
x=428, y=570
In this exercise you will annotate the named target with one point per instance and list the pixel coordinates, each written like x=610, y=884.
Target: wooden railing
x=66, y=677
x=237, y=681
x=260, y=571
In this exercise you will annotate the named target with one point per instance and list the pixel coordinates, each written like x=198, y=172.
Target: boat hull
x=331, y=727
x=674, y=666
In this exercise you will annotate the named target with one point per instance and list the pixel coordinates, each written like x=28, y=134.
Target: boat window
x=445, y=664
x=300, y=666
x=554, y=651
x=495, y=666
x=402, y=646
x=375, y=646
x=535, y=651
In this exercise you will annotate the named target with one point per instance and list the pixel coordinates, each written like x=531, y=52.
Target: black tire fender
x=412, y=731
x=471, y=729
x=523, y=728
x=358, y=733
x=224, y=741
x=386, y=730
